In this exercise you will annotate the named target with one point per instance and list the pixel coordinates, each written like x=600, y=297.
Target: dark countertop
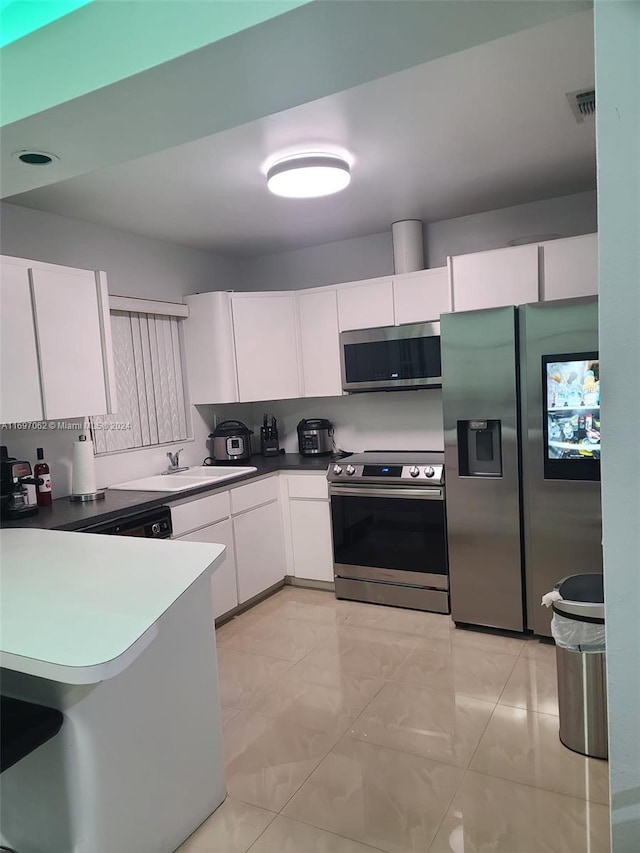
x=65, y=515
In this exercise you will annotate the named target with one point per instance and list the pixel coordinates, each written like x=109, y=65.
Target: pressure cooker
x=315, y=437
x=231, y=442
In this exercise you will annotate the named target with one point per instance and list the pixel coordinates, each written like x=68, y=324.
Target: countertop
x=66, y=624
x=65, y=515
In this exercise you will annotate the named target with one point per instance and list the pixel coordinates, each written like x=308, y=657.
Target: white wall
x=367, y=257
x=617, y=34
x=111, y=468
x=566, y=216
x=135, y=266
x=398, y=420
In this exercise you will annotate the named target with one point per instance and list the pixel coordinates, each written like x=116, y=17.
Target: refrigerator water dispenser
x=479, y=448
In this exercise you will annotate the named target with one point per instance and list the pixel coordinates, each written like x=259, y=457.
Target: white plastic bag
x=577, y=636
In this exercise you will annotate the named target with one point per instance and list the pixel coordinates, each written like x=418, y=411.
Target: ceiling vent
x=583, y=104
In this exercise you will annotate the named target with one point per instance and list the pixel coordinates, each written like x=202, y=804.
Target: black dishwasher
x=148, y=524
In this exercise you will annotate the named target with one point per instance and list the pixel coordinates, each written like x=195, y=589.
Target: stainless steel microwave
x=391, y=358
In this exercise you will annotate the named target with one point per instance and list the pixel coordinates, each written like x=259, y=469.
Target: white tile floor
x=353, y=728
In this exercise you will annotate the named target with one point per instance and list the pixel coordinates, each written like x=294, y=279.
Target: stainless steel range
x=389, y=529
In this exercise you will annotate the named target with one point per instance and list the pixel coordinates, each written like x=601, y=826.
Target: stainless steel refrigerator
x=521, y=401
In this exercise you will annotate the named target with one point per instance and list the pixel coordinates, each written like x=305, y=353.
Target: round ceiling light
x=308, y=176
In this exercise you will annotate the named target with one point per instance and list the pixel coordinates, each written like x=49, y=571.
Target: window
x=149, y=382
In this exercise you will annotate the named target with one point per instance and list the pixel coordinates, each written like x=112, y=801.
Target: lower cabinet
x=224, y=590
x=270, y=527
x=260, y=560
x=307, y=525
x=311, y=539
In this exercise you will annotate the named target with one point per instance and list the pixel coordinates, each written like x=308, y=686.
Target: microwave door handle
x=390, y=492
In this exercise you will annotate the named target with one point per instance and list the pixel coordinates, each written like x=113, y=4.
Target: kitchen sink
x=191, y=478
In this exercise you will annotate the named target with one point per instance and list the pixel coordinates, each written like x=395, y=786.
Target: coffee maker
x=15, y=475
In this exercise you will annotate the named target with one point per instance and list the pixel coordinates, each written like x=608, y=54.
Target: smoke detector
x=583, y=104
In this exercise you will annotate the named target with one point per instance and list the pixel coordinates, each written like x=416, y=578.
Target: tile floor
x=352, y=728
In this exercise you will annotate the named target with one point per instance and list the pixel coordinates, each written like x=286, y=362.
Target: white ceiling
x=484, y=128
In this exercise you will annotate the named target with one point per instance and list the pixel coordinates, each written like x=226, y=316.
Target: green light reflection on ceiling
x=18, y=18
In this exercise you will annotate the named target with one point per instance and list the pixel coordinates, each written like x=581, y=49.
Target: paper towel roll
x=83, y=470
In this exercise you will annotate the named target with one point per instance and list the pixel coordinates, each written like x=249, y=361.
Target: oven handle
x=387, y=492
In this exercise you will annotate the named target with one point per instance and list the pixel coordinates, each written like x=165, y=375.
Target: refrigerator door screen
x=571, y=418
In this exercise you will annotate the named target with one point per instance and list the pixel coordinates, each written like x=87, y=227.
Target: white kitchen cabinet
x=266, y=346
x=311, y=539
x=421, y=296
x=210, y=348
x=20, y=398
x=569, y=267
x=365, y=304
x=307, y=523
x=224, y=593
x=495, y=278
x=260, y=558
x=65, y=320
x=320, y=343
x=195, y=513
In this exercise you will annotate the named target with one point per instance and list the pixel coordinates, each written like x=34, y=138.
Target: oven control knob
x=428, y=471
x=413, y=471
x=337, y=469
x=350, y=470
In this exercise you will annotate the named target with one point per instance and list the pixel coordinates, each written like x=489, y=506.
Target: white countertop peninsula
x=116, y=632
x=79, y=608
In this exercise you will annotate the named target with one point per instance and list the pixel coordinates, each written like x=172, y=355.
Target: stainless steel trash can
x=582, y=685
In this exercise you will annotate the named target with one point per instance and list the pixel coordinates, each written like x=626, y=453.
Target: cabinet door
x=20, y=398
x=366, y=305
x=224, y=593
x=266, y=343
x=211, y=358
x=311, y=536
x=318, y=313
x=67, y=314
x=570, y=267
x=496, y=278
x=421, y=296
x=259, y=550
x=223, y=581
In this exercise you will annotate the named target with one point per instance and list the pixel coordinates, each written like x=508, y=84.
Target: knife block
x=269, y=445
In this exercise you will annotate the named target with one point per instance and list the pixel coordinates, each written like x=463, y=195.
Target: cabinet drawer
x=194, y=514
x=308, y=486
x=254, y=494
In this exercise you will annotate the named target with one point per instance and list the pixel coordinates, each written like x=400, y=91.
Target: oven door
x=391, y=534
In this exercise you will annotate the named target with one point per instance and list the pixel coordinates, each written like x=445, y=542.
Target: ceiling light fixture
x=35, y=158
x=308, y=176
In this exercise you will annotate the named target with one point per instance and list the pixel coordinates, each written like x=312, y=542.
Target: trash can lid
x=582, y=597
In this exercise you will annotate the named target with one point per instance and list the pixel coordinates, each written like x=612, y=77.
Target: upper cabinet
x=365, y=304
x=242, y=347
x=275, y=345
x=421, y=296
x=266, y=343
x=20, y=397
x=57, y=358
x=210, y=348
x=569, y=267
x=319, y=343
x=495, y=278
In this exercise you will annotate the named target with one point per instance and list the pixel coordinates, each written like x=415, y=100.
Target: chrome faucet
x=174, y=462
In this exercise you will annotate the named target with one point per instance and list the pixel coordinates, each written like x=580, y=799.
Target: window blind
x=149, y=381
